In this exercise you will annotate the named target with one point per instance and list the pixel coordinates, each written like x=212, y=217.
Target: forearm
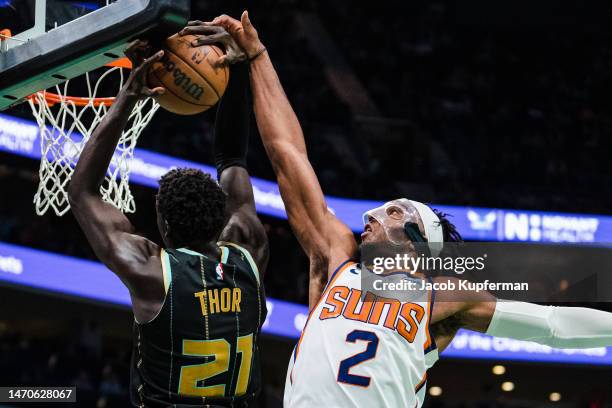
x=561, y=327
x=275, y=117
x=320, y=234
x=232, y=121
x=98, y=151
x=283, y=140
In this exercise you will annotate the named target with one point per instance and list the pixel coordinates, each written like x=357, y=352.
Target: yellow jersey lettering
x=236, y=298
x=225, y=300
x=219, y=300
x=202, y=297
x=213, y=301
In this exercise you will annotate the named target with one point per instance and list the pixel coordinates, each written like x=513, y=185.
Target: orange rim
x=53, y=98
x=121, y=62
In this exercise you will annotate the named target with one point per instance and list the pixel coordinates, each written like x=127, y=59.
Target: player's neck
x=208, y=249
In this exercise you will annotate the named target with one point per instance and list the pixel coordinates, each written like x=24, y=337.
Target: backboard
x=59, y=40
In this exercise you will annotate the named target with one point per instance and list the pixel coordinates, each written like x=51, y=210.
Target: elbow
x=72, y=194
x=76, y=194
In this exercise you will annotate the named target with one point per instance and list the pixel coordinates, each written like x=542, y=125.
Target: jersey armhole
x=166, y=271
x=224, y=254
x=167, y=277
x=246, y=254
x=339, y=269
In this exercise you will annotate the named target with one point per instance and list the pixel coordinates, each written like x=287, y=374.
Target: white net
x=65, y=126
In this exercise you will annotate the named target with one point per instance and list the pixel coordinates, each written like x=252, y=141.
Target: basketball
x=193, y=84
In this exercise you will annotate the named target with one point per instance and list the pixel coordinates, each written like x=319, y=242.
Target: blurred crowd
x=101, y=374
x=82, y=354
x=506, y=112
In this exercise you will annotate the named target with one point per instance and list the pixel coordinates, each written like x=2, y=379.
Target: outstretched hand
x=138, y=52
x=209, y=34
x=239, y=38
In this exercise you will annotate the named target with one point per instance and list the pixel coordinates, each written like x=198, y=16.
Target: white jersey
x=355, y=353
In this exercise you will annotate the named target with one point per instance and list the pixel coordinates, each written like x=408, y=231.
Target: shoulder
x=245, y=229
x=130, y=253
x=236, y=254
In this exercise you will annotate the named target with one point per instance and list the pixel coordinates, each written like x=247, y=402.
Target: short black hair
x=449, y=231
x=449, y=234
x=193, y=205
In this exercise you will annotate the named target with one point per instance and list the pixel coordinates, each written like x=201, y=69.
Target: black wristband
x=258, y=53
x=232, y=121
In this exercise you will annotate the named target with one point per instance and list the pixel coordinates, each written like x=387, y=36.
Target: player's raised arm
x=231, y=144
x=554, y=326
x=107, y=229
x=325, y=239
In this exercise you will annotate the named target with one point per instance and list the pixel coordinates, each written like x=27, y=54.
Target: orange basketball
x=193, y=84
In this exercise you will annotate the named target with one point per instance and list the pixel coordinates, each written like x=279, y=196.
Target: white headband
x=432, y=226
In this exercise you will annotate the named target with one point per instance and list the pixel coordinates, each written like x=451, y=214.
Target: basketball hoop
x=66, y=124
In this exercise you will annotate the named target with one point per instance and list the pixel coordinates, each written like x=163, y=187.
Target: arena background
x=500, y=112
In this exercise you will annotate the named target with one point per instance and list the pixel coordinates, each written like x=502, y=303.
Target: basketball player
x=198, y=302
x=376, y=353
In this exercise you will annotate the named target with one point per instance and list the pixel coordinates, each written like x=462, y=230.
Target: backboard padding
x=84, y=44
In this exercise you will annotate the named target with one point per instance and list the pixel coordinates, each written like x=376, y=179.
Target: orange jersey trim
x=421, y=383
x=427, y=333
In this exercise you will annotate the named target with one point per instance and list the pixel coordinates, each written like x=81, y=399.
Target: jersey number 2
x=344, y=376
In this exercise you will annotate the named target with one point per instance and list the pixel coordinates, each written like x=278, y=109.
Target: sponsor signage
x=468, y=344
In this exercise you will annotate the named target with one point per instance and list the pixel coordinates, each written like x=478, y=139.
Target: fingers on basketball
x=147, y=63
x=191, y=75
x=226, y=21
x=137, y=43
x=221, y=61
x=145, y=67
x=137, y=50
x=157, y=91
x=201, y=29
x=220, y=38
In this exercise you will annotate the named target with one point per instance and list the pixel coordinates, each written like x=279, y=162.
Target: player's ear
x=166, y=230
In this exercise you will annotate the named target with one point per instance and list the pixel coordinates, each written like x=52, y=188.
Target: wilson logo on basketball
x=194, y=82
x=181, y=79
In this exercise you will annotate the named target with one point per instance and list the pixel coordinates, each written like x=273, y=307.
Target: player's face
x=373, y=232
x=386, y=223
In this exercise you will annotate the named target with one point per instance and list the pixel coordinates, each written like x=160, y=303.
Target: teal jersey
x=202, y=346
